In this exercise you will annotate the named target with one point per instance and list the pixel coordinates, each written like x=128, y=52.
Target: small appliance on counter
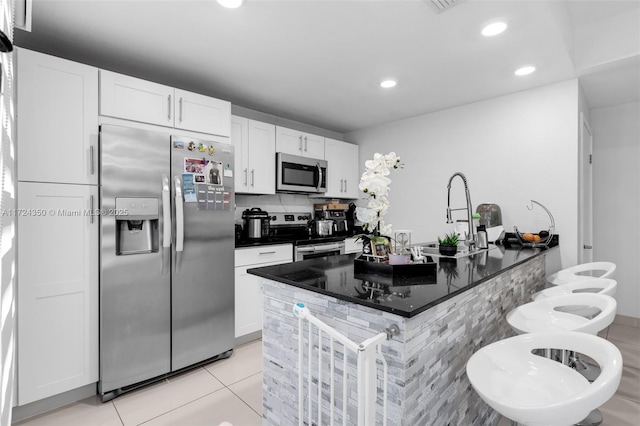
x=322, y=227
x=491, y=219
x=335, y=212
x=256, y=223
x=490, y=214
x=350, y=215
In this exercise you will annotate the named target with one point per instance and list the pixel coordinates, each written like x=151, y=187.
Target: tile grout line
x=181, y=406
x=240, y=398
x=117, y=412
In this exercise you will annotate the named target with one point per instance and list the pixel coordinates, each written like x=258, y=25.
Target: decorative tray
x=408, y=274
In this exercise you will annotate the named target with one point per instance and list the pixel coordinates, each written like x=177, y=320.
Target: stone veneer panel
x=427, y=381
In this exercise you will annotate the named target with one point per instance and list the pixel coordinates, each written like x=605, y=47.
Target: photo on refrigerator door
x=213, y=172
x=188, y=188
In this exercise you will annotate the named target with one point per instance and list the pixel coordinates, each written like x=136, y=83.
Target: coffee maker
x=339, y=216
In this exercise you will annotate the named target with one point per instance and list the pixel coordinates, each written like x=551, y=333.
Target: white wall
x=512, y=149
x=616, y=195
x=7, y=227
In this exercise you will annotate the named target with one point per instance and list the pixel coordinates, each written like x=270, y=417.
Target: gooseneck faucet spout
x=471, y=236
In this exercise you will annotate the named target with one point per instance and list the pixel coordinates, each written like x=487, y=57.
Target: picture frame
x=380, y=250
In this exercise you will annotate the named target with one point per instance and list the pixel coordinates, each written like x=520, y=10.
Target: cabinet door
x=202, y=113
x=57, y=282
x=262, y=157
x=240, y=142
x=343, y=170
x=57, y=119
x=352, y=245
x=312, y=146
x=351, y=170
x=248, y=288
x=135, y=99
x=288, y=141
x=248, y=301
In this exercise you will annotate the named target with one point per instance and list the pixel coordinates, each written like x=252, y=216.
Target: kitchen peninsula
x=443, y=319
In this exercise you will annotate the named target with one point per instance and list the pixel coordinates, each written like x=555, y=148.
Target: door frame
x=585, y=191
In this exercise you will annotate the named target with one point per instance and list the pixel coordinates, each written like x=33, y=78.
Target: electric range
x=293, y=227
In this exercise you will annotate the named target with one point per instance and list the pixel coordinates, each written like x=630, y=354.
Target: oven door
x=318, y=250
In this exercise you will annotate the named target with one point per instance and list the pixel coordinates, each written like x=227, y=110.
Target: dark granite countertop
x=335, y=276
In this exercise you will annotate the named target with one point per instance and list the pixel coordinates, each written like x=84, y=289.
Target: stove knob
x=273, y=218
x=301, y=217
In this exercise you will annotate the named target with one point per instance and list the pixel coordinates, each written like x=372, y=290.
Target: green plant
x=448, y=240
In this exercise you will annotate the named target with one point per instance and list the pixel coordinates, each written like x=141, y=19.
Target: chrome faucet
x=470, y=235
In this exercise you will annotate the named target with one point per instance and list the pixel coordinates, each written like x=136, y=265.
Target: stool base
x=593, y=419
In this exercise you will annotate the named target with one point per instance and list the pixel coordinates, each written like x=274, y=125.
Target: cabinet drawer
x=282, y=253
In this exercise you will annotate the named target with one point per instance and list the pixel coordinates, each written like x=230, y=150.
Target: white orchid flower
x=379, y=205
x=385, y=229
x=365, y=214
x=375, y=184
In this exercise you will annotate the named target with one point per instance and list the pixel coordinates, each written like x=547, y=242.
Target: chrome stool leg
x=588, y=370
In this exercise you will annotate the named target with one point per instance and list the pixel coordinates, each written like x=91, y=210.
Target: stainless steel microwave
x=300, y=174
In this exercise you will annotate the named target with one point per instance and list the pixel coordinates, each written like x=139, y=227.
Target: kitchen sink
x=431, y=249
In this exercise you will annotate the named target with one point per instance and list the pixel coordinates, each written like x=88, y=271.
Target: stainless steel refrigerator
x=167, y=244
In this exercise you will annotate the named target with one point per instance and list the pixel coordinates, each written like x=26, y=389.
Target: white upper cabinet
x=57, y=119
x=134, y=99
x=255, y=153
x=343, y=169
x=202, y=113
x=296, y=142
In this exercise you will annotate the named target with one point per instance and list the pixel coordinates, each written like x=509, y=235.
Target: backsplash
x=274, y=203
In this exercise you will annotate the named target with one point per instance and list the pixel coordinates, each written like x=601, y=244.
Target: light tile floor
x=231, y=391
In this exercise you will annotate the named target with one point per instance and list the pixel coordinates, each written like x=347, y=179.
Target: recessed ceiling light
x=526, y=70
x=494, y=28
x=231, y=4
x=388, y=83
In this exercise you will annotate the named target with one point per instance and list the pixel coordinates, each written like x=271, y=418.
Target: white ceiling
x=320, y=62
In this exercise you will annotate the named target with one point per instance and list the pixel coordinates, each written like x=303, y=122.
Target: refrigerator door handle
x=179, y=222
x=166, y=212
x=166, y=224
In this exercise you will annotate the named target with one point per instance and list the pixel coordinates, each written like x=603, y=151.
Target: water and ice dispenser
x=137, y=230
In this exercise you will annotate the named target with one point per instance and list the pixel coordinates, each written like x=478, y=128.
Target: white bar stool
x=567, y=313
x=537, y=391
x=561, y=313
x=605, y=286
x=582, y=272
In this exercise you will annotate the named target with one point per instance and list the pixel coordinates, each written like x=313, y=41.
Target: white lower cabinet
x=352, y=245
x=57, y=282
x=248, y=290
